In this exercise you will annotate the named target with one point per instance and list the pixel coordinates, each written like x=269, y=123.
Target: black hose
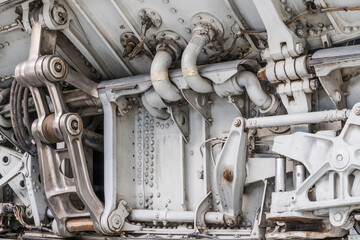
x=13, y=113
x=26, y=110
x=19, y=105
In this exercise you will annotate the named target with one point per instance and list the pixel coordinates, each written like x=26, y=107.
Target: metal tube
x=154, y=105
x=188, y=64
x=159, y=74
x=248, y=80
x=280, y=174
x=154, y=99
x=300, y=118
x=138, y=215
x=80, y=225
x=299, y=174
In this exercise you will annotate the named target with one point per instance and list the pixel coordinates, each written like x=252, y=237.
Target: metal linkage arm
x=43, y=71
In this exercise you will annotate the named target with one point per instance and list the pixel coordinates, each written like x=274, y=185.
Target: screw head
x=338, y=216
x=299, y=48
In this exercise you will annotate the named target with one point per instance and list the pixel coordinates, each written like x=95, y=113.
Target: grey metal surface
x=199, y=141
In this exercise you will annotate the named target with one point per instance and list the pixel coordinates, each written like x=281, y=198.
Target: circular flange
x=155, y=17
x=171, y=36
x=206, y=18
x=126, y=37
x=59, y=14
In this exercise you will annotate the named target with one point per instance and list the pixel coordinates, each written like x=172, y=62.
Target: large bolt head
x=299, y=48
x=116, y=221
x=57, y=67
x=74, y=124
x=338, y=216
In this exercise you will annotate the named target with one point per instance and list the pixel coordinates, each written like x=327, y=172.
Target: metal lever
x=44, y=70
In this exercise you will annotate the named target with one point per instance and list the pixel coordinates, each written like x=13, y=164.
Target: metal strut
x=44, y=71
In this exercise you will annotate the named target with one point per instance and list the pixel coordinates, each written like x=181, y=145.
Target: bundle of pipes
x=164, y=91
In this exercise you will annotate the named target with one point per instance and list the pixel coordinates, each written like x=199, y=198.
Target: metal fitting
x=74, y=124
x=57, y=67
x=237, y=123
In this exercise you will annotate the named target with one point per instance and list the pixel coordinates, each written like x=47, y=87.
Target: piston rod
x=295, y=119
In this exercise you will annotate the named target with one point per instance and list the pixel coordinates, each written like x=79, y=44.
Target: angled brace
x=230, y=173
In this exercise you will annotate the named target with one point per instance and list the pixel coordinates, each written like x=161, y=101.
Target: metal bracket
x=279, y=34
x=239, y=103
x=180, y=115
x=295, y=95
x=332, y=84
x=204, y=206
x=230, y=172
x=199, y=102
x=117, y=219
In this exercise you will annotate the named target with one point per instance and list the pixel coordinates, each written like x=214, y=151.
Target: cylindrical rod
x=280, y=174
x=80, y=225
x=138, y=215
x=296, y=119
x=299, y=174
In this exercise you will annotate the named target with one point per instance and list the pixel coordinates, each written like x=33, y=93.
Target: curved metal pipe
x=245, y=79
x=154, y=104
x=253, y=88
x=188, y=63
x=159, y=75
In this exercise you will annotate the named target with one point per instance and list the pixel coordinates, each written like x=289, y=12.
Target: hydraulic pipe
x=202, y=35
x=298, y=118
x=159, y=74
x=154, y=104
x=248, y=80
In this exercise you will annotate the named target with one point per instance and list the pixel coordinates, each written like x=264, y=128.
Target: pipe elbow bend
x=153, y=103
x=189, y=68
x=268, y=104
x=159, y=75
